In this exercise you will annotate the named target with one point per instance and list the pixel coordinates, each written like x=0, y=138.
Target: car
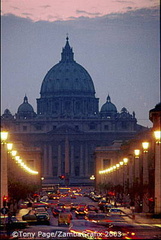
x=98, y=218
x=115, y=211
x=96, y=198
x=12, y=223
x=73, y=196
x=36, y=216
x=56, y=211
x=42, y=216
x=86, y=230
x=64, y=218
x=30, y=217
x=91, y=208
x=80, y=211
x=74, y=206
x=123, y=230
x=102, y=203
x=40, y=204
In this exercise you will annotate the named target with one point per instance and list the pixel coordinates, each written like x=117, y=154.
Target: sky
x=116, y=41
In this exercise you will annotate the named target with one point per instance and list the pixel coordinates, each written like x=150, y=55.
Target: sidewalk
x=141, y=218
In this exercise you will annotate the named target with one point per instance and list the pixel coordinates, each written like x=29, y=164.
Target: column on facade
x=145, y=169
x=59, y=160
x=86, y=160
x=131, y=172
x=66, y=156
x=50, y=165
x=137, y=169
x=72, y=170
x=45, y=162
x=81, y=161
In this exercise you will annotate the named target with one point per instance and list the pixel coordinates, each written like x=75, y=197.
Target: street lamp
x=145, y=146
x=13, y=153
x=136, y=153
x=92, y=177
x=125, y=160
x=157, y=135
x=4, y=136
x=9, y=146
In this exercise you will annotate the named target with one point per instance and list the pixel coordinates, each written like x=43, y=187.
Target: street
x=80, y=228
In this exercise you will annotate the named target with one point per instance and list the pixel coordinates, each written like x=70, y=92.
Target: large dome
x=67, y=77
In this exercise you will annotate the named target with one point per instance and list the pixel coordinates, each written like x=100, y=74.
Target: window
x=106, y=163
x=30, y=163
x=76, y=171
x=24, y=128
x=38, y=127
x=106, y=127
x=124, y=125
x=92, y=126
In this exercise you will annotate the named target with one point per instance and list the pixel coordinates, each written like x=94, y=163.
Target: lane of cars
x=87, y=213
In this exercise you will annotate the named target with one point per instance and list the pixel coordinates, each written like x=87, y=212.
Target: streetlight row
x=19, y=161
x=115, y=167
x=145, y=145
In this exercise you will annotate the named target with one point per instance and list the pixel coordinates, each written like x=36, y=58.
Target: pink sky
x=52, y=10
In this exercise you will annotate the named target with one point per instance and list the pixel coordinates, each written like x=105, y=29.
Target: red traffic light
x=62, y=177
x=5, y=198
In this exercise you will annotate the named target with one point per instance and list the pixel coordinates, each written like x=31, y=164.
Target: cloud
x=120, y=1
x=88, y=13
x=45, y=6
x=27, y=14
x=16, y=8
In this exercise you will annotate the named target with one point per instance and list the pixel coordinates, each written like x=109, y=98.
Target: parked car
x=36, y=216
x=12, y=223
x=30, y=217
x=115, y=211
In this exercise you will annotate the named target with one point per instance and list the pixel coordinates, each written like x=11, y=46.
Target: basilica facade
x=68, y=124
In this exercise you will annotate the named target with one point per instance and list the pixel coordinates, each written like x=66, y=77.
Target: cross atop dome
x=67, y=54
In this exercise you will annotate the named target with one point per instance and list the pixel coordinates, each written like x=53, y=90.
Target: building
x=68, y=125
x=133, y=168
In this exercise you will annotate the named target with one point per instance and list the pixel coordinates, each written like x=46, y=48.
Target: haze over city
x=116, y=41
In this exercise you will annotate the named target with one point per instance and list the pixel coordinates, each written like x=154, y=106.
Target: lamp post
x=125, y=173
x=157, y=208
x=145, y=146
x=136, y=164
x=136, y=177
x=3, y=166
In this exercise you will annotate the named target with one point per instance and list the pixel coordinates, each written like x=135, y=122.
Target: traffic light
x=62, y=177
x=5, y=198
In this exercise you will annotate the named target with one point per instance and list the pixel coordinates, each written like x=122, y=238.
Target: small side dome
x=7, y=114
x=108, y=107
x=25, y=110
